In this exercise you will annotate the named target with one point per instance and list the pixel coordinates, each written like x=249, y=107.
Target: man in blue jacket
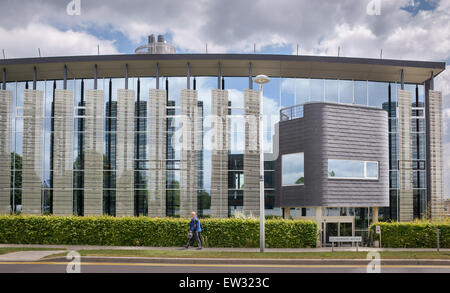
x=196, y=228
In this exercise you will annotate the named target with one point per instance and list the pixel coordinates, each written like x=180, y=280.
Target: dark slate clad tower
x=333, y=131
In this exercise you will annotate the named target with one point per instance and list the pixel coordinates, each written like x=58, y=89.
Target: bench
x=352, y=239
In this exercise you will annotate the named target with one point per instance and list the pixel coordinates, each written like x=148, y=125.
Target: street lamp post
x=261, y=79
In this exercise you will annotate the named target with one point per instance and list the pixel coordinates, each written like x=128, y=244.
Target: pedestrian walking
x=195, y=232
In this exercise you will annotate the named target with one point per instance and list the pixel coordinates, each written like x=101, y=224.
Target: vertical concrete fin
x=125, y=153
x=93, y=153
x=33, y=112
x=436, y=159
x=5, y=150
x=219, y=153
x=63, y=153
x=189, y=149
x=251, y=153
x=157, y=153
x=405, y=156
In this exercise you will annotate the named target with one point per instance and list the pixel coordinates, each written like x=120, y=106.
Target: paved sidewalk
x=323, y=249
x=33, y=255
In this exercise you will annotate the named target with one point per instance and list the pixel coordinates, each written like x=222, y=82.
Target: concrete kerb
x=218, y=249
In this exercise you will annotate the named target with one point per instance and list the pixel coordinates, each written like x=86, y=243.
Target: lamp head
x=261, y=79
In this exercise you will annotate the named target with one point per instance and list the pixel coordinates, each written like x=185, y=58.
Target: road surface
x=149, y=267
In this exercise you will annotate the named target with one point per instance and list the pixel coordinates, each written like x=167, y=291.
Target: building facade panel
x=93, y=153
x=405, y=156
x=32, y=151
x=356, y=133
x=189, y=152
x=219, y=156
x=125, y=153
x=63, y=153
x=157, y=153
x=5, y=150
x=436, y=153
x=251, y=152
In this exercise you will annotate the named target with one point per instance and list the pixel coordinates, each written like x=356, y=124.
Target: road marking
x=226, y=265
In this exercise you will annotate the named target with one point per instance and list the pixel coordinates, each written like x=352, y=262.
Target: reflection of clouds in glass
x=446, y=117
x=346, y=91
x=346, y=169
x=292, y=166
x=372, y=170
x=378, y=93
x=352, y=169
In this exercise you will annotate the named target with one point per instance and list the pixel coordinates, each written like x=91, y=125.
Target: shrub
x=145, y=231
x=418, y=234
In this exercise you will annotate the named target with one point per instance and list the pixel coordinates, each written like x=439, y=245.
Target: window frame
x=287, y=185
x=365, y=177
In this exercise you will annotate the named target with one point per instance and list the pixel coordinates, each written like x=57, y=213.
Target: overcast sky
x=404, y=29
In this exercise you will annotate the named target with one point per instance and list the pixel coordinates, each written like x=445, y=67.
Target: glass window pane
x=302, y=90
x=360, y=92
x=317, y=89
x=345, y=169
x=292, y=169
x=331, y=90
x=372, y=170
x=378, y=93
x=346, y=91
x=288, y=92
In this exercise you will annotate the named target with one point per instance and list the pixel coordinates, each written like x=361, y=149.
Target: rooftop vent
x=159, y=47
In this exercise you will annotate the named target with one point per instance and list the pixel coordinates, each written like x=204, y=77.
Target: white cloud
x=25, y=41
x=446, y=114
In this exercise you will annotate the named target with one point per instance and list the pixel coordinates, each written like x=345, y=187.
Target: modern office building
x=347, y=141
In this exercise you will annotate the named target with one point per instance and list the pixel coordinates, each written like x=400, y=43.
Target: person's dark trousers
x=196, y=237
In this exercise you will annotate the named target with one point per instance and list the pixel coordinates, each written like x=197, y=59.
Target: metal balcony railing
x=292, y=112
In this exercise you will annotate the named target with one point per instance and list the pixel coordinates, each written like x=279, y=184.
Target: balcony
x=292, y=112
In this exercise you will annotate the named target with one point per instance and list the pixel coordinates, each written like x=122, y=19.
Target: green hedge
x=145, y=231
x=413, y=234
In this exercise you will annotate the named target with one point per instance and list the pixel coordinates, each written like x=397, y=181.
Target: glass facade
x=279, y=93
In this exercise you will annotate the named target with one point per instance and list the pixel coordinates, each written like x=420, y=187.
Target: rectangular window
x=349, y=169
x=293, y=169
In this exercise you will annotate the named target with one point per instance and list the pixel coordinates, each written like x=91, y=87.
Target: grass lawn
x=4, y=250
x=266, y=255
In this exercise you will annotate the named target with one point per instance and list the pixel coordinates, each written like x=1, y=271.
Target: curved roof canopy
x=49, y=68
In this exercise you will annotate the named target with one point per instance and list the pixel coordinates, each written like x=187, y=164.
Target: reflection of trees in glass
x=332, y=174
x=173, y=184
x=16, y=180
x=204, y=200
x=300, y=180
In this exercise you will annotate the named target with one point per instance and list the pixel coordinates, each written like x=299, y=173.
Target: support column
x=405, y=156
x=125, y=153
x=5, y=151
x=374, y=214
x=435, y=154
x=33, y=112
x=219, y=153
x=251, y=153
x=93, y=153
x=157, y=153
x=287, y=213
x=63, y=153
x=189, y=148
